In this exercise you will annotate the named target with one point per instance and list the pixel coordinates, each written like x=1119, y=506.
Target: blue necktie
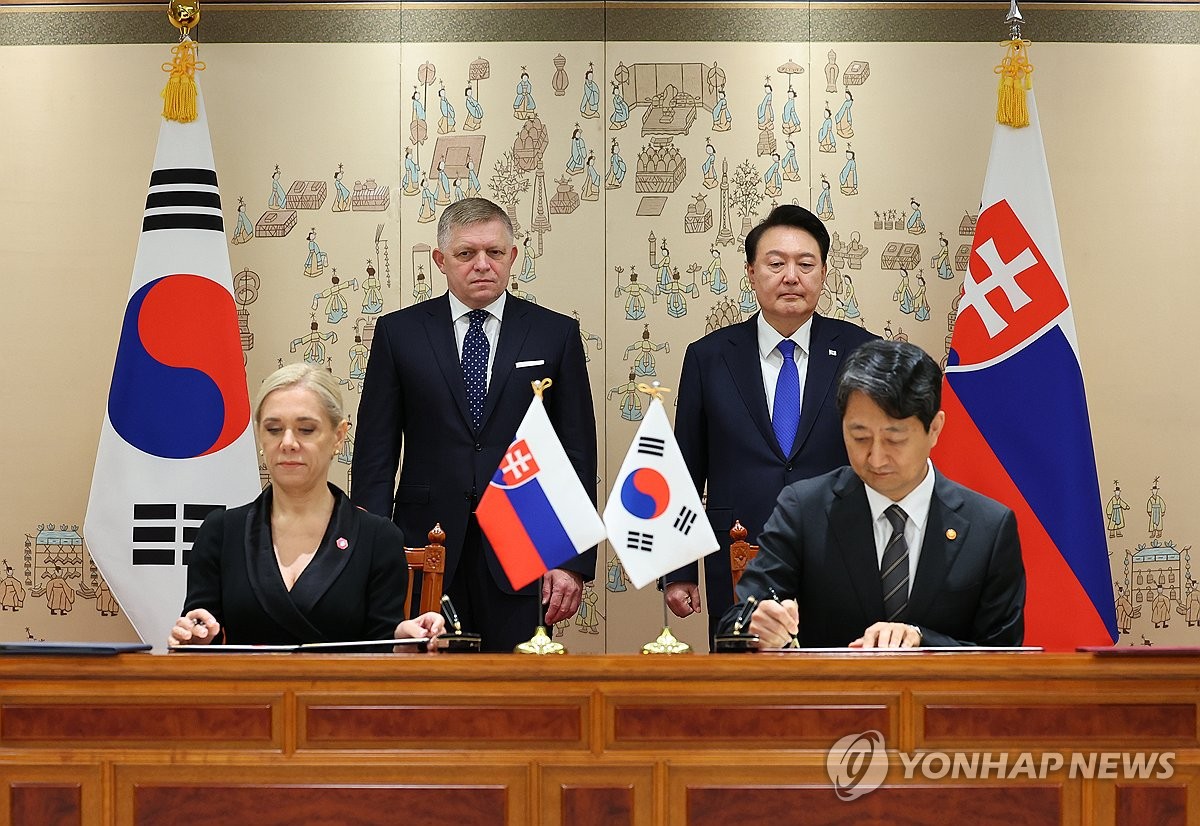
x=474, y=364
x=785, y=414
x=893, y=568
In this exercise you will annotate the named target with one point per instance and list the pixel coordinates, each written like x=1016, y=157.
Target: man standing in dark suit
x=751, y=420
x=449, y=381
x=886, y=553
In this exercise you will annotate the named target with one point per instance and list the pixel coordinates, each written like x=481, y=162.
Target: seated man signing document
x=886, y=553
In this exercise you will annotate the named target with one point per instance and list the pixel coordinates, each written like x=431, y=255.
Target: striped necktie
x=894, y=567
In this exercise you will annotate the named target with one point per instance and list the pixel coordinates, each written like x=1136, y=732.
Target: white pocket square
x=535, y=363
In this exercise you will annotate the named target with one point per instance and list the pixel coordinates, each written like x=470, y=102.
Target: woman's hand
x=430, y=625
x=196, y=627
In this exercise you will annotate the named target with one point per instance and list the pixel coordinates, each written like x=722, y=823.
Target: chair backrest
x=740, y=551
x=429, y=563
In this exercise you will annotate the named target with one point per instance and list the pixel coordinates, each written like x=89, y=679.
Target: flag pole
x=540, y=643
x=1015, y=73
x=666, y=642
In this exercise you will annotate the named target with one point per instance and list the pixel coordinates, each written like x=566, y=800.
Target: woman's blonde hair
x=319, y=381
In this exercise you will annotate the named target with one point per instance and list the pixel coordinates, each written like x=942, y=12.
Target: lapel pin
x=343, y=544
x=833, y=352
x=951, y=534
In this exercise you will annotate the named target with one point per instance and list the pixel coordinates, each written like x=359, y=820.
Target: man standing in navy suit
x=449, y=381
x=757, y=399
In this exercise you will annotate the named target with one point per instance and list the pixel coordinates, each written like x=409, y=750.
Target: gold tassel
x=1015, y=72
x=179, y=96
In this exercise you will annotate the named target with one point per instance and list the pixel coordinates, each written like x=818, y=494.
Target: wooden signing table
x=408, y=739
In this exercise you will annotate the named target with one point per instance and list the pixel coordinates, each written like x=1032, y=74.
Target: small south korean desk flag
x=176, y=440
x=654, y=517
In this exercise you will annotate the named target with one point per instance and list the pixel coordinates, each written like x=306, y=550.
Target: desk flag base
x=666, y=644
x=540, y=643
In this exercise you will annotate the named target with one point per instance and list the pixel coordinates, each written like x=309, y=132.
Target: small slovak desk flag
x=654, y=517
x=176, y=440
x=535, y=511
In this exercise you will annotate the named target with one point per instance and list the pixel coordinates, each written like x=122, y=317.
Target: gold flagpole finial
x=653, y=390
x=1015, y=73
x=540, y=386
x=179, y=96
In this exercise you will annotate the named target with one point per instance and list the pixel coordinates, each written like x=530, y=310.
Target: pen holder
x=459, y=643
x=735, y=643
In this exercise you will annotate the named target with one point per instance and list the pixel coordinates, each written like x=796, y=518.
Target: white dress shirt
x=771, y=360
x=491, y=326
x=916, y=505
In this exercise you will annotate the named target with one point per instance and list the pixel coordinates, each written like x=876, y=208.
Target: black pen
x=744, y=615
x=795, y=641
x=450, y=614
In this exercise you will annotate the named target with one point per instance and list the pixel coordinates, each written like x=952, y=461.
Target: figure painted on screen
x=849, y=176
x=1191, y=604
x=588, y=338
x=676, y=292
x=515, y=289
x=589, y=106
x=447, y=121
x=709, y=169
x=849, y=300
x=825, y=201
x=826, y=142
x=244, y=230
x=941, y=261
x=473, y=186
x=616, y=167
x=631, y=398
x=766, y=108
x=278, y=199
x=421, y=291
x=443, y=193
x=616, y=581
x=747, y=301
x=844, y=119
x=578, y=159
x=1156, y=509
x=588, y=618
x=643, y=363
x=791, y=120
x=528, y=265
x=903, y=293
x=358, y=354
x=315, y=263
x=427, y=211
x=372, y=292
x=12, y=592
x=341, y=201
x=474, y=110
x=418, y=130
x=412, y=174
x=773, y=179
x=619, y=118
x=1115, y=512
x=722, y=119
x=920, y=300
x=916, y=224
x=635, y=306
x=1160, y=607
x=591, y=181
x=714, y=273
x=335, y=307
x=60, y=596
x=790, y=166
x=664, y=265
x=524, y=106
x=313, y=344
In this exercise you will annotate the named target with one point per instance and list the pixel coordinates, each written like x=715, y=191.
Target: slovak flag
x=176, y=440
x=1017, y=425
x=535, y=512
x=654, y=517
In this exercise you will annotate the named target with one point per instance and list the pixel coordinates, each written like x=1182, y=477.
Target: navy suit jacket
x=819, y=546
x=414, y=399
x=725, y=435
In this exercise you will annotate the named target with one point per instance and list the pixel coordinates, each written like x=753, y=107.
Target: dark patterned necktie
x=785, y=413
x=474, y=364
x=894, y=566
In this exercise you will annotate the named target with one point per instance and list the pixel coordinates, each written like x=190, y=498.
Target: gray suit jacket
x=819, y=547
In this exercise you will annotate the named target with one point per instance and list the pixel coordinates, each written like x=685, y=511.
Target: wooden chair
x=429, y=563
x=740, y=551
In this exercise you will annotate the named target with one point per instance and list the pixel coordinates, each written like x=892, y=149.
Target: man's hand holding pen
x=776, y=622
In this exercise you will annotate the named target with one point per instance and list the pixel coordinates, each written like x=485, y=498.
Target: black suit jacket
x=819, y=547
x=414, y=398
x=725, y=434
x=350, y=593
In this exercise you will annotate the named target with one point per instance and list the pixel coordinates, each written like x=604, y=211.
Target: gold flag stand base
x=540, y=643
x=666, y=644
